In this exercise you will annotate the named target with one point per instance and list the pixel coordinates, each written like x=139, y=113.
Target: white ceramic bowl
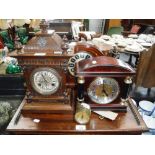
x=146, y=107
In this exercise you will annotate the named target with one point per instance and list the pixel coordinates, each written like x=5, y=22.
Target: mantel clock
x=103, y=82
x=45, y=69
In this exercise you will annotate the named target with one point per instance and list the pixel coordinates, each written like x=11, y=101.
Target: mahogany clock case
x=109, y=67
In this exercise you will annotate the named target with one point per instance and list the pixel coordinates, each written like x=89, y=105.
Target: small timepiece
x=103, y=90
x=45, y=81
x=83, y=113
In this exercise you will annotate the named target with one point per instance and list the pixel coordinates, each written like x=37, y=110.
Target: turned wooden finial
x=43, y=26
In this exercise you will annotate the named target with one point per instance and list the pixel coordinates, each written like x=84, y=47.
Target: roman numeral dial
x=45, y=81
x=77, y=57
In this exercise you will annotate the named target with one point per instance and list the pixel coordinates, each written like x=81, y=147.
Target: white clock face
x=77, y=57
x=103, y=90
x=45, y=81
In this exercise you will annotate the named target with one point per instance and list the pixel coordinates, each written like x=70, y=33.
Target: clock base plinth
x=47, y=108
x=116, y=106
x=56, y=108
x=112, y=107
x=52, y=111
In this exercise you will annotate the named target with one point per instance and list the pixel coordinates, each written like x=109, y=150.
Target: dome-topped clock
x=103, y=82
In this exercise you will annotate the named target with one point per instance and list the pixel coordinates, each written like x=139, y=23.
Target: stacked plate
x=150, y=122
x=147, y=110
x=134, y=36
x=135, y=47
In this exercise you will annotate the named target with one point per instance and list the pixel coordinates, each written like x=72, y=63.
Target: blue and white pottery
x=146, y=107
x=150, y=122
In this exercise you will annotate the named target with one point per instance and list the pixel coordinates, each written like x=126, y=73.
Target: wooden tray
x=129, y=122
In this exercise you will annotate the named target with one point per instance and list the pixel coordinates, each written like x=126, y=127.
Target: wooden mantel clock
x=45, y=69
x=103, y=82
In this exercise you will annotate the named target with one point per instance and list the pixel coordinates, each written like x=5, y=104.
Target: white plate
x=133, y=49
x=140, y=41
x=150, y=121
x=121, y=43
x=142, y=36
x=133, y=36
x=146, y=44
x=105, y=37
x=110, y=43
x=129, y=41
x=117, y=36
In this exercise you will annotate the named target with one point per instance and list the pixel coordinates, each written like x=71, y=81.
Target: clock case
x=45, y=51
x=104, y=66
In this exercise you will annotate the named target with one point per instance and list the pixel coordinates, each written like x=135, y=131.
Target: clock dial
x=82, y=117
x=103, y=90
x=45, y=81
x=83, y=113
x=77, y=57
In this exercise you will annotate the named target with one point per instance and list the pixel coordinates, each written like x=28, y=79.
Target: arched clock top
x=92, y=49
x=103, y=65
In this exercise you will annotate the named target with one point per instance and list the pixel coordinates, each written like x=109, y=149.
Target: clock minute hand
x=44, y=78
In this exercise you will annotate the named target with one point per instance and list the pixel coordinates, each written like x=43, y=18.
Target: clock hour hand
x=103, y=90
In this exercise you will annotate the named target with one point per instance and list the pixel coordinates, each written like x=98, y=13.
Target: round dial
x=82, y=117
x=45, y=81
x=77, y=57
x=103, y=90
x=83, y=113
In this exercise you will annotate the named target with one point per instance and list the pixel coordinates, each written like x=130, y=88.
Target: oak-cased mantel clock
x=103, y=82
x=45, y=69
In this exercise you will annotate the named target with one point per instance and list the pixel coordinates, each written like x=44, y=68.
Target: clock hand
x=82, y=116
x=103, y=90
x=44, y=78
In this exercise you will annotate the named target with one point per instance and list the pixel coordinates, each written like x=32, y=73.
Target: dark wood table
x=125, y=123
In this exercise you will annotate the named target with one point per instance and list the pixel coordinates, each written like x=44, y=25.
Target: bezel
x=108, y=100
x=51, y=70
